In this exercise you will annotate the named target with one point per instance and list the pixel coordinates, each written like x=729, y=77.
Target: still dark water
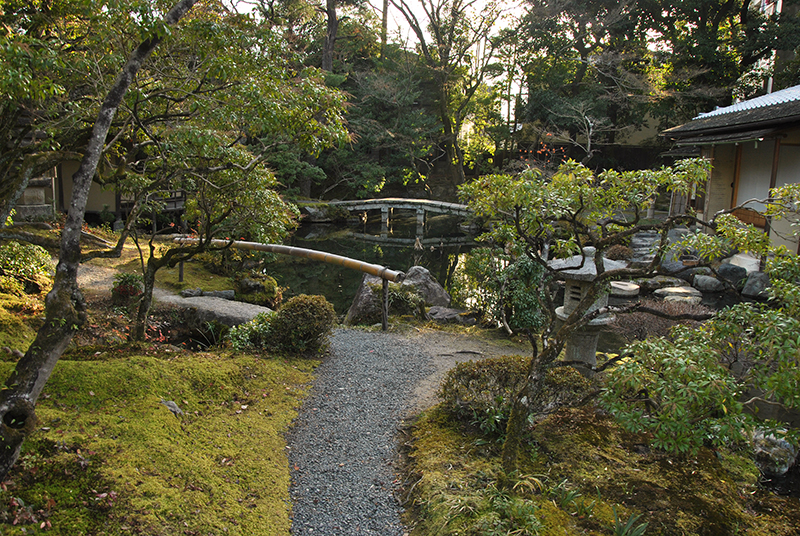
x=438, y=251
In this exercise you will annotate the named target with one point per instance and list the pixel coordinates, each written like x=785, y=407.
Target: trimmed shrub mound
x=302, y=325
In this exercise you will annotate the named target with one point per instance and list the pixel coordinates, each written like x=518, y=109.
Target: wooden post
x=385, y=308
x=180, y=272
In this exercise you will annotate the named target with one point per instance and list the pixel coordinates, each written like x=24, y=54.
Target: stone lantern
x=582, y=344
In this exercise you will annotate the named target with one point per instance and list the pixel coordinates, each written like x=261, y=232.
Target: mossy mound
x=581, y=474
x=110, y=458
x=20, y=317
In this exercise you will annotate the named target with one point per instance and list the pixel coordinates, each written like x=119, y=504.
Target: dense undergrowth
x=581, y=475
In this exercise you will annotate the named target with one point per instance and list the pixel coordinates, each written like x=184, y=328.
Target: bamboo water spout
x=347, y=262
x=373, y=269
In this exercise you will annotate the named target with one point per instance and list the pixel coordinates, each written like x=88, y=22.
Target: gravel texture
x=343, y=446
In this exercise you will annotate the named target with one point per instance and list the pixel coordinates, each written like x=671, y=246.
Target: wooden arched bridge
x=388, y=205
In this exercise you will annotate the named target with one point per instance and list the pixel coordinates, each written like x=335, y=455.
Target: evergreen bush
x=481, y=392
x=252, y=335
x=303, y=323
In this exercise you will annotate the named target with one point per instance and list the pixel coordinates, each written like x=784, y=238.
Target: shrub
x=618, y=252
x=24, y=262
x=127, y=287
x=502, y=287
x=253, y=334
x=481, y=392
x=303, y=323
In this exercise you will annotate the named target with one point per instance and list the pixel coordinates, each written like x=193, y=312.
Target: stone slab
x=677, y=292
x=624, y=289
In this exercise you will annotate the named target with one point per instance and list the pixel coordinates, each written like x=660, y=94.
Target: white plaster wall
x=97, y=196
x=788, y=173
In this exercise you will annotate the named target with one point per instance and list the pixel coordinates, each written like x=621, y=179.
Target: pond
x=397, y=248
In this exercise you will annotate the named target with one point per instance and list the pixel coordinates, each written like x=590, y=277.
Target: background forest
x=461, y=88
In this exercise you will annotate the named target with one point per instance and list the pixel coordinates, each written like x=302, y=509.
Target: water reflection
x=400, y=249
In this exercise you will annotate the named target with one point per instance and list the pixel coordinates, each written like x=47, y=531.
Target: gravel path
x=343, y=445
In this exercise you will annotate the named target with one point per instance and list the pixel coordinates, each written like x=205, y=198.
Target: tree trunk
x=139, y=328
x=330, y=35
x=455, y=157
x=521, y=407
x=65, y=309
x=384, y=27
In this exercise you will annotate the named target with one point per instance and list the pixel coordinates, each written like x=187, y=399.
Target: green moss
x=20, y=317
x=581, y=469
x=110, y=458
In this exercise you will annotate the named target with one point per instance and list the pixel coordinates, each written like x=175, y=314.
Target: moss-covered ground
x=110, y=458
x=581, y=474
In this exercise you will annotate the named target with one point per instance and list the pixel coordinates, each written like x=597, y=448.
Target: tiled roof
x=779, y=97
x=773, y=110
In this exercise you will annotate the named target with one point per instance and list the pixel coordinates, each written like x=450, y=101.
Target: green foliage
x=300, y=326
x=677, y=391
x=294, y=171
x=127, y=287
x=686, y=391
x=255, y=334
x=303, y=323
x=504, y=288
x=573, y=194
x=24, y=262
x=629, y=528
x=481, y=392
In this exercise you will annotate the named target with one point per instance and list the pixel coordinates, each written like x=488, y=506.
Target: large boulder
x=756, y=286
x=707, y=283
x=660, y=281
x=424, y=285
x=366, y=306
x=732, y=273
x=445, y=315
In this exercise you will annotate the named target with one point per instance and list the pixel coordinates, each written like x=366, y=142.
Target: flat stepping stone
x=624, y=289
x=660, y=281
x=681, y=292
x=691, y=300
x=209, y=308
